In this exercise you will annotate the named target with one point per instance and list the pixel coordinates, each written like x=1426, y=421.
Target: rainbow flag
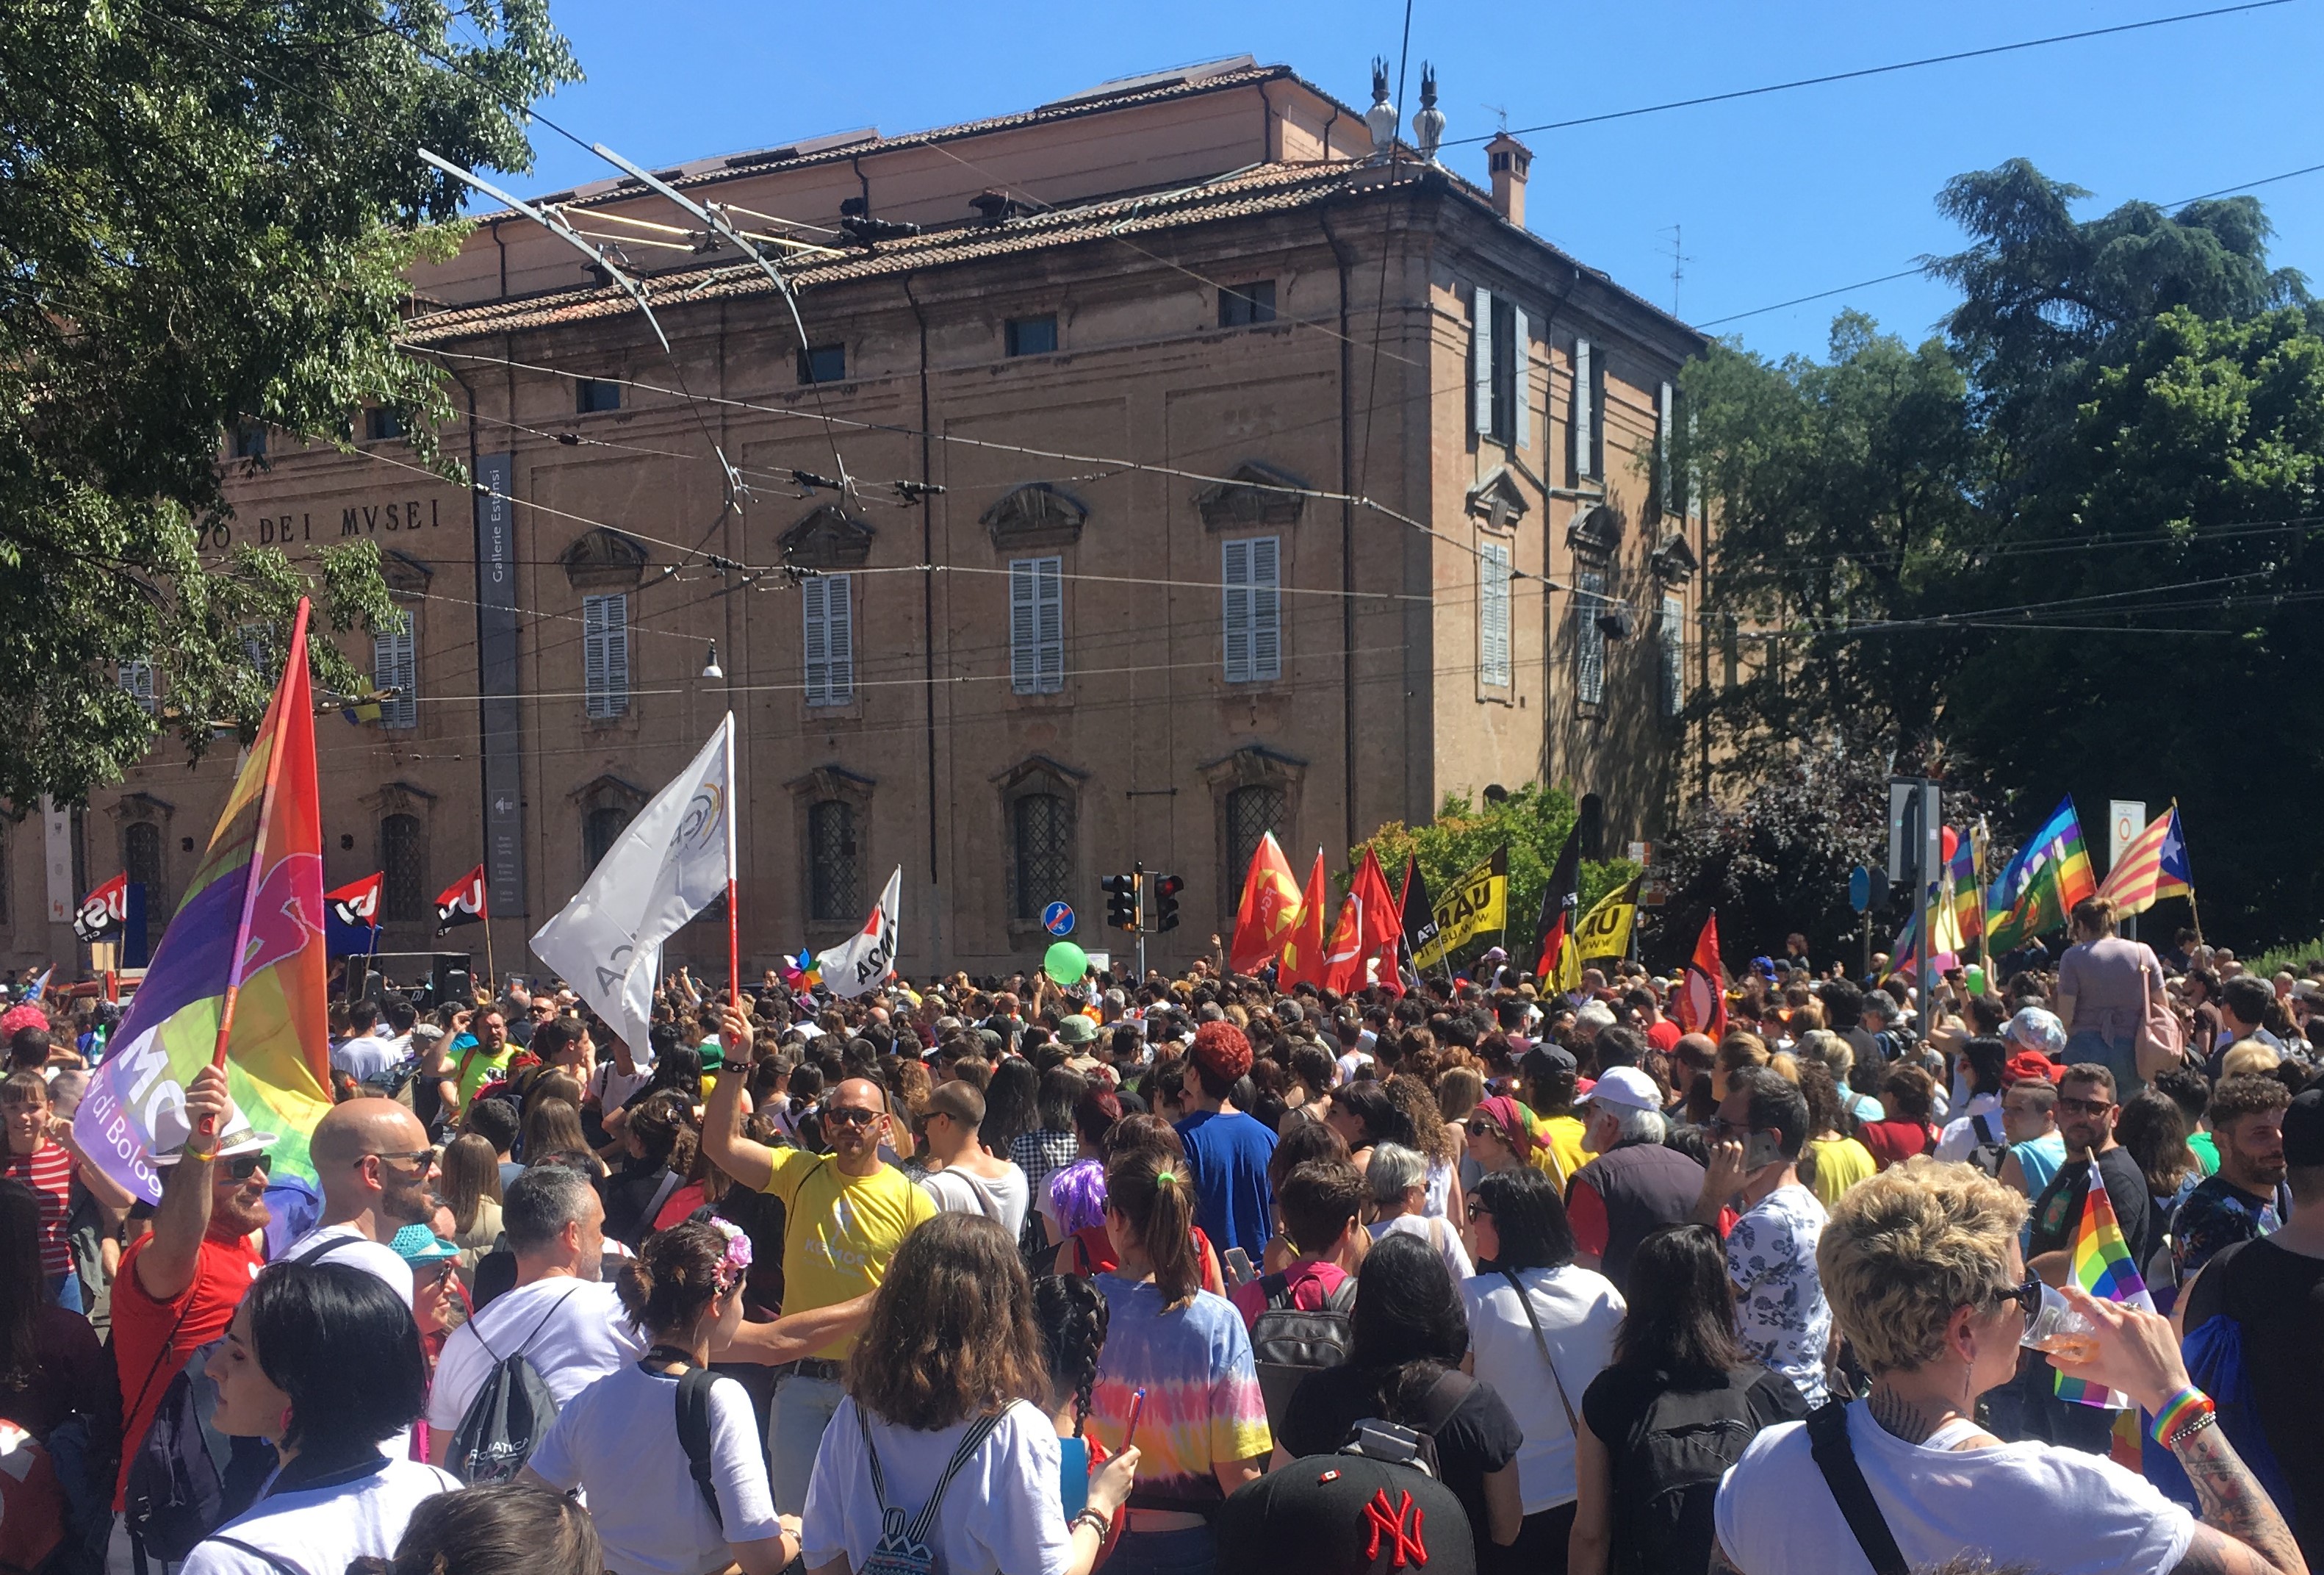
x=2103, y=1267
x=252, y=928
x=2048, y=875
x=1966, y=892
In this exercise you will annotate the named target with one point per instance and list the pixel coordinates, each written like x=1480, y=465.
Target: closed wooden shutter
x=1589, y=639
x=1521, y=376
x=1584, y=420
x=828, y=618
x=606, y=654
x=1674, y=654
x=395, y=664
x=1037, y=626
x=1493, y=562
x=1480, y=365
x=1251, y=603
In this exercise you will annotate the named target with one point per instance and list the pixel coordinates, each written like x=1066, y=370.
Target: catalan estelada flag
x=2103, y=1267
x=2048, y=875
x=240, y=971
x=2152, y=867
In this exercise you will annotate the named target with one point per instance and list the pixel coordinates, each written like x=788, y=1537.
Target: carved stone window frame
x=1252, y=500
x=850, y=788
x=404, y=798
x=605, y=558
x=1035, y=513
x=1038, y=774
x=827, y=537
x=1251, y=766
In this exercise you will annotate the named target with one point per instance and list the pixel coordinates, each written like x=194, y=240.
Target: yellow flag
x=1605, y=929
x=1476, y=903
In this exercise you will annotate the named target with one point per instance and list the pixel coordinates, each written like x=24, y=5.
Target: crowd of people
x=1178, y=1274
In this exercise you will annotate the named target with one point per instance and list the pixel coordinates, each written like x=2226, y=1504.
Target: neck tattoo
x=1904, y=1419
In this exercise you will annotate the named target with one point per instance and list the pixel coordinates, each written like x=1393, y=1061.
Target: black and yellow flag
x=1605, y=929
x=1478, y=902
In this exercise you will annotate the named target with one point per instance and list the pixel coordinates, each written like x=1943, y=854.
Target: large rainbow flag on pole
x=2102, y=1267
x=2048, y=875
x=239, y=978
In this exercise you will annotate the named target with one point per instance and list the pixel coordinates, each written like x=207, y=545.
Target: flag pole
x=2194, y=914
x=734, y=922
x=206, y=1127
x=492, y=972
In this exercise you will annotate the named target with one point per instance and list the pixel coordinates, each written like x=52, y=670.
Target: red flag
x=1304, y=961
x=1343, y=961
x=357, y=902
x=1268, y=909
x=1701, y=1003
x=461, y=903
x=1380, y=932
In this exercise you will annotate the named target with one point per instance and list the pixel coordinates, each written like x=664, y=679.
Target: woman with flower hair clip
x=667, y=1453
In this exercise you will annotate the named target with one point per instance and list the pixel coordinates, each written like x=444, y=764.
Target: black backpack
x=509, y=1416
x=186, y=1478
x=1990, y=1151
x=1666, y=1478
x=1288, y=1342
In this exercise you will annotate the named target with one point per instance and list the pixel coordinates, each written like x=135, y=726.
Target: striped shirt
x=48, y=1170
x=1204, y=1405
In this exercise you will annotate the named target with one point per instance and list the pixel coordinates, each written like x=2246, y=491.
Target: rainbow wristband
x=2177, y=1410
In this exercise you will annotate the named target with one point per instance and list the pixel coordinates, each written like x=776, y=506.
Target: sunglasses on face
x=422, y=1157
x=852, y=1116
x=1483, y=1130
x=1478, y=1210
x=2084, y=1106
x=243, y=1166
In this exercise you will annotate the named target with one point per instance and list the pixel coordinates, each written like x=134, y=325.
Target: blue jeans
x=65, y=1290
x=803, y=1409
x=1192, y=1551
x=2118, y=1056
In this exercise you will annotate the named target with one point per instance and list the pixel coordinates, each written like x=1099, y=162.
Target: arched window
x=1042, y=826
x=600, y=829
x=141, y=861
x=1253, y=812
x=834, y=891
x=403, y=862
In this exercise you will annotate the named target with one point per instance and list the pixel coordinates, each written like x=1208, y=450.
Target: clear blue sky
x=1778, y=196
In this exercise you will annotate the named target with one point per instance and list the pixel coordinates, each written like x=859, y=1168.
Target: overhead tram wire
x=1865, y=71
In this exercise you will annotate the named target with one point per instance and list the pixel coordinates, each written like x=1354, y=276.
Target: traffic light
x=1121, y=901
x=1166, y=903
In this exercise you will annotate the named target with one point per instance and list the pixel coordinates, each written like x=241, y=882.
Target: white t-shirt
x=1004, y=1197
x=2027, y=1505
x=319, y=1530
x=617, y=1440
x=366, y=1059
x=358, y=1251
x=1579, y=1311
x=1439, y=1235
x=1351, y=1064
x=1000, y=1514
x=1960, y=1136
x=573, y=1331
x=612, y=1089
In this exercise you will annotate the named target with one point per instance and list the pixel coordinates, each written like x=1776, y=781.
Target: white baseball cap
x=1625, y=1088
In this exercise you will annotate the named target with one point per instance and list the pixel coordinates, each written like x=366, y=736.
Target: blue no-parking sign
x=1058, y=918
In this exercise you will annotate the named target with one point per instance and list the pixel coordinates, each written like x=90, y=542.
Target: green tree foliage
x=2052, y=551
x=206, y=211
x=1533, y=823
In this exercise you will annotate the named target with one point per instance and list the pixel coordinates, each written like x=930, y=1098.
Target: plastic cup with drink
x=2057, y=1329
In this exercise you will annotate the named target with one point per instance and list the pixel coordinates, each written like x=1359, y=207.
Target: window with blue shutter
x=1493, y=564
x=828, y=616
x=1252, y=605
x=1480, y=365
x=1037, y=626
x=604, y=654
x=1589, y=639
x=137, y=678
x=1583, y=420
x=1674, y=656
x=1521, y=377
x=395, y=664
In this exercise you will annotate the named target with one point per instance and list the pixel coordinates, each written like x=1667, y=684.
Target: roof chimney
x=1509, y=158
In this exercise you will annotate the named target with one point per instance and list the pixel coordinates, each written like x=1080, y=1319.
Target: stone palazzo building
x=1204, y=474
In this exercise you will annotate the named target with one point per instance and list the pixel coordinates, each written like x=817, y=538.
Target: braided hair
x=1072, y=1316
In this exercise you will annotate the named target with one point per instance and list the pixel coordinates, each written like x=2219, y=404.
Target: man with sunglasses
x=377, y=1171
x=2086, y=1116
x=179, y=1283
x=844, y=1215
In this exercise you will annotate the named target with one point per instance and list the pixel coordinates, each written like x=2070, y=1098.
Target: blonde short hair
x=1907, y=1247
x=2248, y=1058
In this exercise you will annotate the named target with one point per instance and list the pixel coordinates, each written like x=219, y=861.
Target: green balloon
x=1065, y=963
x=1974, y=976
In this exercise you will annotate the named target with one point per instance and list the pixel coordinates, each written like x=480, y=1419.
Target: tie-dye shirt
x=1202, y=1400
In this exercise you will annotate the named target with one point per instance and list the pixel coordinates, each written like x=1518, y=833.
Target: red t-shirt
x=1663, y=1034
x=1094, y=1253
x=147, y=1353
x=48, y=1170
x=1895, y=1142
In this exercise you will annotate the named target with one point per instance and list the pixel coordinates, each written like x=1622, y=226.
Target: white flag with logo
x=671, y=862
x=866, y=960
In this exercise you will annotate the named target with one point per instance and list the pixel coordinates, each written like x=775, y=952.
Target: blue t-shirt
x=1228, y=1153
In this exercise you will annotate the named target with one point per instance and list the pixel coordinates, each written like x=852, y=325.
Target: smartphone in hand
x=1237, y=1263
